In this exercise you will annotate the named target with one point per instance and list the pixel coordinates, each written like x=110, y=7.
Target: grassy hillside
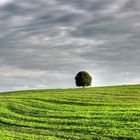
x=96, y=113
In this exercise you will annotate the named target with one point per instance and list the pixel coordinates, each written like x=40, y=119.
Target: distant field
x=107, y=113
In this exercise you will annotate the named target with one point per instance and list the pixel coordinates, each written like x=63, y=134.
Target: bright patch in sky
x=3, y=2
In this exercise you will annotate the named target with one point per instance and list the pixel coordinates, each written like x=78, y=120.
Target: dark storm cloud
x=43, y=43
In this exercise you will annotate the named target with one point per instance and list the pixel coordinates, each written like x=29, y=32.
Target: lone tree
x=83, y=79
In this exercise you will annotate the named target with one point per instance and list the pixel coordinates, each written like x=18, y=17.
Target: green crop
x=105, y=113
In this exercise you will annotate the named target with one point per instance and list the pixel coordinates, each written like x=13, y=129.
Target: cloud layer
x=43, y=44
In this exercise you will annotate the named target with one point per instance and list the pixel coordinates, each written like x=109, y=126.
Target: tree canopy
x=83, y=79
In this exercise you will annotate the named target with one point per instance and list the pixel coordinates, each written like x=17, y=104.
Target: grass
x=105, y=113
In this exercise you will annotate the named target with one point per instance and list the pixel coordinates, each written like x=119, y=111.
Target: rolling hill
x=103, y=113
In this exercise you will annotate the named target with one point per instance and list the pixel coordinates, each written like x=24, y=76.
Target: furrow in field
x=61, y=120
x=67, y=129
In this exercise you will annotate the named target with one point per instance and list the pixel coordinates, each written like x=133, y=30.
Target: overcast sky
x=44, y=43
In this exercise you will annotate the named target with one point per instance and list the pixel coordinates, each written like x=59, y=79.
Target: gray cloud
x=45, y=43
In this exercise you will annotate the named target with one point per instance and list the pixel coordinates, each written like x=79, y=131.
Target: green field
x=105, y=113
